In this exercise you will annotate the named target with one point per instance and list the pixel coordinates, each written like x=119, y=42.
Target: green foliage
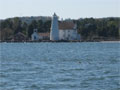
x=105, y=27
x=89, y=28
x=40, y=25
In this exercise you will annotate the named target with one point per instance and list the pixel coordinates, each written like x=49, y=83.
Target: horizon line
x=59, y=17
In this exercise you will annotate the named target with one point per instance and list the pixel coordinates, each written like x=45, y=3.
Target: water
x=60, y=66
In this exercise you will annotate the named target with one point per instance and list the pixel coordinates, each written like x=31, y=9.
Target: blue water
x=60, y=66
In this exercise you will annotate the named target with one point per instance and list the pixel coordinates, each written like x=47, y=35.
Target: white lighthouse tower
x=54, y=33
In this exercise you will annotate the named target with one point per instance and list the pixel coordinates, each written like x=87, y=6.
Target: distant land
x=29, y=19
x=90, y=29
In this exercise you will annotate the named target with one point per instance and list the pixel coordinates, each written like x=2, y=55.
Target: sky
x=63, y=8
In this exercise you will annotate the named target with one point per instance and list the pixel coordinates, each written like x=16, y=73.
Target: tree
x=30, y=30
x=17, y=25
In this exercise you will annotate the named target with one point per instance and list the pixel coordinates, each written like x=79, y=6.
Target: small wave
x=34, y=86
x=2, y=75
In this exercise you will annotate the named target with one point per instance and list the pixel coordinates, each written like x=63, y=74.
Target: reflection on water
x=59, y=66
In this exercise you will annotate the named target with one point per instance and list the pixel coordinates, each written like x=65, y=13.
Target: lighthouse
x=54, y=33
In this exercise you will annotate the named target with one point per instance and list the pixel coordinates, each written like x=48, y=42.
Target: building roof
x=19, y=37
x=66, y=25
x=44, y=34
x=20, y=34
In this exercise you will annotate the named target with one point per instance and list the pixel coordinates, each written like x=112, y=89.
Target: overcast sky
x=64, y=8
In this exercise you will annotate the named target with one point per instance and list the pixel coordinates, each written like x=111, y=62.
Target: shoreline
x=110, y=41
x=102, y=41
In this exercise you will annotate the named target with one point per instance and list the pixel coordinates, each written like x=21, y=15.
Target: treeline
x=10, y=27
x=103, y=28
x=89, y=28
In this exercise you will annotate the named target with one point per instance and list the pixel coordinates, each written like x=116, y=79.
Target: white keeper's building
x=64, y=30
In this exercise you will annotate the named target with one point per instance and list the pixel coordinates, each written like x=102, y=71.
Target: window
x=34, y=37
